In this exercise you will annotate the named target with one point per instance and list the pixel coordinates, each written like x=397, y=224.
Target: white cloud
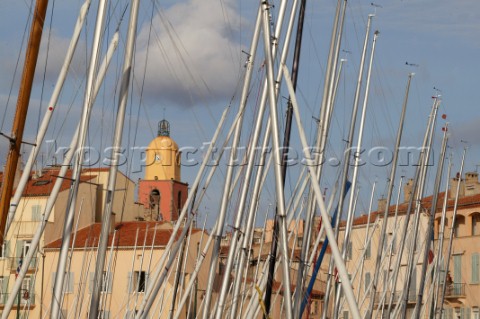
x=194, y=53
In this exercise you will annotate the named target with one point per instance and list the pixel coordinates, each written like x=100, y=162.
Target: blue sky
x=194, y=69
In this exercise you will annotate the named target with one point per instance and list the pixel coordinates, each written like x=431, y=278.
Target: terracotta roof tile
x=42, y=186
x=125, y=236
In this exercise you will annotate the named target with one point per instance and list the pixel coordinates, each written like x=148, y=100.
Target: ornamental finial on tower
x=163, y=128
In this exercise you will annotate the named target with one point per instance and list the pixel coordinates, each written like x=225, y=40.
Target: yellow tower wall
x=163, y=160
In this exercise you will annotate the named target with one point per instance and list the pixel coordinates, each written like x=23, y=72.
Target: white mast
x=88, y=101
x=452, y=234
x=393, y=171
x=48, y=114
x=351, y=212
x=433, y=210
x=346, y=157
x=59, y=181
x=115, y=156
x=248, y=174
x=339, y=262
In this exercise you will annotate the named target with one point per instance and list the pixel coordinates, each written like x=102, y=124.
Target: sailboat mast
x=389, y=197
x=441, y=238
x=418, y=206
x=433, y=209
x=19, y=120
x=452, y=234
x=48, y=114
x=70, y=210
x=112, y=176
x=351, y=211
x=346, y=158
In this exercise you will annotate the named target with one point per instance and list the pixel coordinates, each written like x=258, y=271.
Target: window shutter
x=147, y=276
x=129, y=282
x=70, y=282
x=18, y=251
x=457, y=269
x=91, y=279
x=7, y=249
x=31, y=290
x=475, y=265
x=109, y=281
x=5, y=288
x=367, y=280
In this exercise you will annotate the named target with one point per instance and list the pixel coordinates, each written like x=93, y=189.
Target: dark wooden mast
x=23, y=100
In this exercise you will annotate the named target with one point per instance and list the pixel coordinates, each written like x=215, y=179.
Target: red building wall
x=172, y=193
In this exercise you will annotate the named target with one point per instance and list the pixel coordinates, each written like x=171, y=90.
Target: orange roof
x=43, y=186
x=463, y=202
x=125, y=236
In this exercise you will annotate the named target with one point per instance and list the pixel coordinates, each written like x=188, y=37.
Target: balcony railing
x=15, y=260
x=455, y=290
x=26, y=297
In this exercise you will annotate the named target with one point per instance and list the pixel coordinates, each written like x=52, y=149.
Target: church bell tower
x=161, y=191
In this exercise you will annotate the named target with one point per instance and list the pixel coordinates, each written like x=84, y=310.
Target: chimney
x=453, y=187
x=382, y=204
x=408, y=190
x=472, y=186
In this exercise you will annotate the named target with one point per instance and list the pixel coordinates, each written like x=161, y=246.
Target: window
x=137, y=282
x=475, y=268
x=36, y=213
x=27, y=291
x=300, y=242
x=349, y=250
x=367, y=280
x=154, y=198
x=314, y=307
x=457, y=273
x=475, y=313
x=345, y=315
x=476, y=224
x=106, y=284
x=459, y=222
x=4, y=292
x=21, y=250
x=179, y=201
x=368, y=251
x=67, y=282
x=4, y=249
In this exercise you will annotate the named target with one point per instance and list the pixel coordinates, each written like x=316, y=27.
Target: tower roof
x=163, y=128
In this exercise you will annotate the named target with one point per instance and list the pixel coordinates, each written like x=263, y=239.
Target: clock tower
x=161, y=192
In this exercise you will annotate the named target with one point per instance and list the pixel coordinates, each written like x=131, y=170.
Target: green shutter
x=367, y=280
x=457, y=269
x=18, y=250
x=5, y=289
x=91, y=279
x=31, y=290
x=475, y=260
x=129, y=282
x=147, y=276
x=70, y=282
x=109, y=281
